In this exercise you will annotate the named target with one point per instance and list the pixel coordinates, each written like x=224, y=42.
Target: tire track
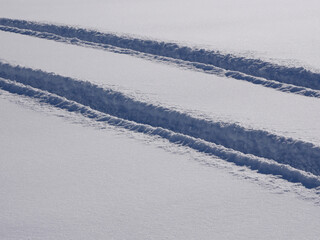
x=257, y=149
x=285, y=79
x=265, y=166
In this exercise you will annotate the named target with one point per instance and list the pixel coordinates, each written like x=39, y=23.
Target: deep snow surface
x=287, y=30
x=214, y=97
x=158, y=149
x=64, y=178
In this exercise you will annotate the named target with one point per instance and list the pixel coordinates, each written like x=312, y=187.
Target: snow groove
x=209, y=69
x=298, y=154
x=295, y=79
x=263, y=165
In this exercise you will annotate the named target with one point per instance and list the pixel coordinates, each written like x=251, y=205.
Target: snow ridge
x=293, y=153
x=288, y=79
x=263, y=165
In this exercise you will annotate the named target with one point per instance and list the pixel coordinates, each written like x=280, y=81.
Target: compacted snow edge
x=287, y=79
x=285, y=153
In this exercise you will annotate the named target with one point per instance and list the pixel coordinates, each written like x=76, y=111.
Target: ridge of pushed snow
x=284, y=78
x=294, y=160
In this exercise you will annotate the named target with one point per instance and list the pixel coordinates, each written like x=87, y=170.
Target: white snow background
x=95, y=141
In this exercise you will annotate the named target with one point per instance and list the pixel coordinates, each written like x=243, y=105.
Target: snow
x=297, y=80
x=159, y=119
x=217, y=98
x=285, y=31
x=214, y=139
x=62, y=177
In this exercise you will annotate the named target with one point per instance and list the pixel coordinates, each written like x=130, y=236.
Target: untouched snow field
x=159, y=119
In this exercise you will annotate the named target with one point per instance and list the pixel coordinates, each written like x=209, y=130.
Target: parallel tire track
x=287, y=79
x=263, y=165
x=258, y=149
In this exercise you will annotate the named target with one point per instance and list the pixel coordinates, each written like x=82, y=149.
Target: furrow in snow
x=298, y=154
x=286, y=79
x=263, y=165
x=209, y=69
